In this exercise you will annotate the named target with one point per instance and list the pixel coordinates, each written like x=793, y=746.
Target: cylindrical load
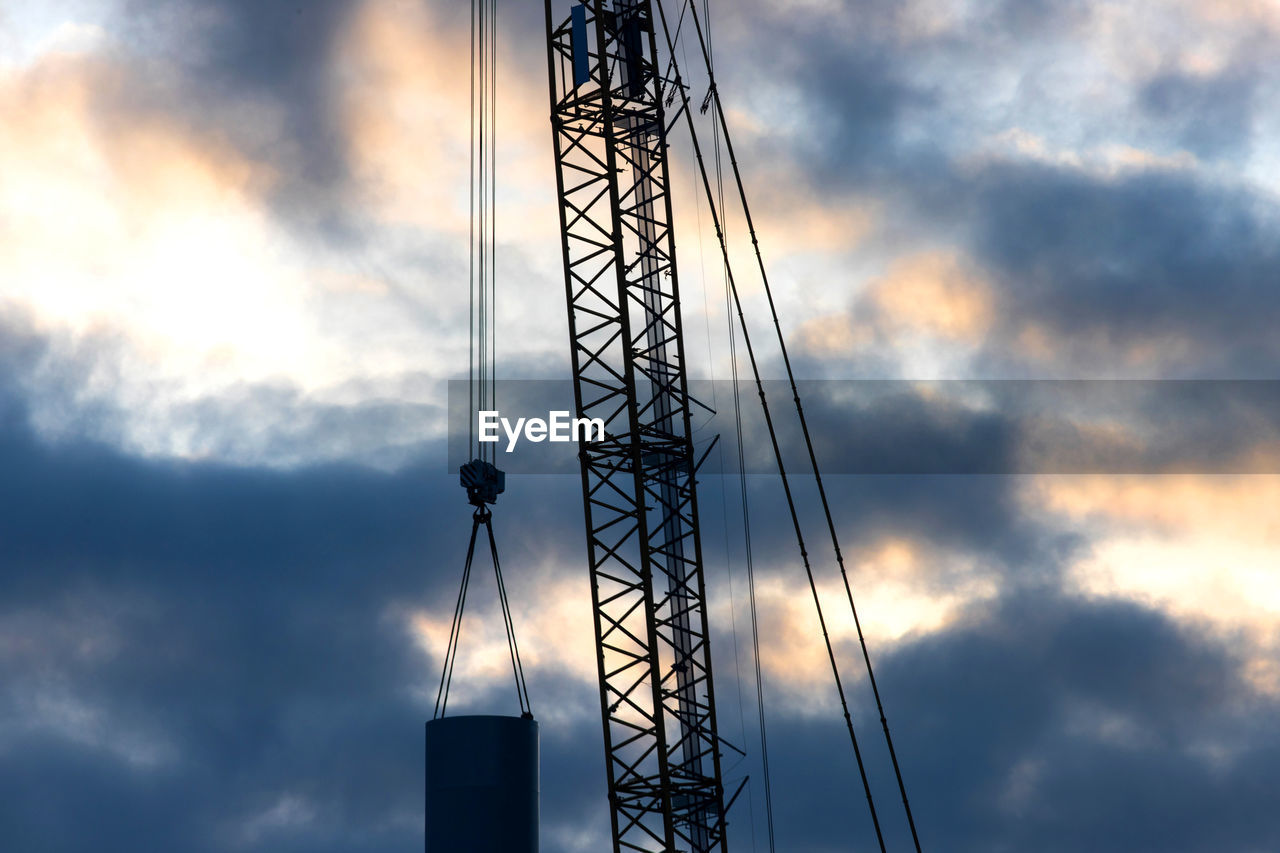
x=482, y=785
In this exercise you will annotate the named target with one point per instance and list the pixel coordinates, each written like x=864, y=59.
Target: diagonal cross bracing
x=639, y=499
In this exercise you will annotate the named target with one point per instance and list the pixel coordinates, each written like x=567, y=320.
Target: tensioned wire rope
x=481, y=517
x=714, y=98
x=777, y=451
x=804, y=426
x=745, y=512
x=482, y=351
x=744, y=503
x=742, y=476
x=482, y=230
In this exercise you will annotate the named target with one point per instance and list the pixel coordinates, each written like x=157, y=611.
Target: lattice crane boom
x=639, y=496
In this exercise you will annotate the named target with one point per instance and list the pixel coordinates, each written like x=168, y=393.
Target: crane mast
x=638, y=483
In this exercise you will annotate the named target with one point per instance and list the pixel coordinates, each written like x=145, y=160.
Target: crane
x=610, y=127
x=645, y=559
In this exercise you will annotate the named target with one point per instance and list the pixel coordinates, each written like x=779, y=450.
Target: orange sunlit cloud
x=139, y=229
x=1200, y=548
x=403, y=94
x=926, y=298
x=903, y=590
x=130, y=223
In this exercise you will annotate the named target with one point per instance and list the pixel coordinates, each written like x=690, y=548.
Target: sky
x=233, y=267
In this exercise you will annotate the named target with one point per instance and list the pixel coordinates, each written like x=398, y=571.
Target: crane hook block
x=483, y=481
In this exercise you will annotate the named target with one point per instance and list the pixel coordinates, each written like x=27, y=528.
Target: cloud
x=927, y=310
x=1054, y=691
x=1040, y=724
x=904, y=590
x=136, y=227
x=215, y=196
x=242, y=634
x=1088, y=232
x=223, y=644
x=233, y=274
x=1200, y=549
x=1209, y=114
x=259, y=73
x=146, y=238
x=1153, y=274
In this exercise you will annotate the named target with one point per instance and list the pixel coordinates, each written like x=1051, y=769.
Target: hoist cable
x=493, y=209
x=482, y=258
x=477, y=60
x=483, y=211
x=804, y=427
x=777, y=451
x=675, y=41
x=472, y=446
x=482, y=341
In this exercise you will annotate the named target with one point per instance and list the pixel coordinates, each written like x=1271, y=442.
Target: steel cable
x=804, y=427
x=777, y=451
x=482, y=516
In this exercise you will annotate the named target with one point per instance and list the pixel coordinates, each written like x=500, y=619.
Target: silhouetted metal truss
x=648, y=593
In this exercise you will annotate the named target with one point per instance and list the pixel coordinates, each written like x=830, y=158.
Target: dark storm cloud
x=1154, y=256
x=859, y=107
x=978, y=518
x=229, y=58
x=231, y=51
x=244, y=613
x=1153, y=272
x=260, y=77
x=1034, y=18
x=228, y=629
x=1041, y=426
x=845, y=96
x=1050, y=724
x=198, y=656
x=46, y=780
x=1211, y=116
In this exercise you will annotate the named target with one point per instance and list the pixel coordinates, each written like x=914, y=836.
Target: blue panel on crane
x=581, y=55
x=482, y=785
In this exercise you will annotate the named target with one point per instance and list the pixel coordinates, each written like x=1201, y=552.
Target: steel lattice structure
x=645, y=555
